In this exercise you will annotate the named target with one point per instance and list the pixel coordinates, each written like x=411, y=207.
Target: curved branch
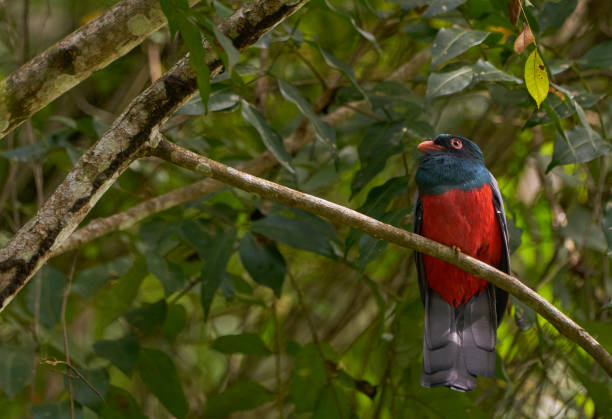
x=100, y=166
x=73, y=59
x=342, y=215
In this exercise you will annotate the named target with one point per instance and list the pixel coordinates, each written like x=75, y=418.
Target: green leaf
x=213, y=270
x=119, y=404
x=365, y=34
x=295, y=233
x=159, y=375
x=345, y=69
x=449, y=82
x=308, y=378
x=89, y=280
x=176, y=320
x=243, y=395
x=333, y=402
x=246, y=343
x=198, y=236
x=439, y=7
x=600, y=56
x=369, y=247
x=197, y=58
x=536, y=77
x=168, y=273
x=16, y=368
x=52, y=286
x=271, y=139
x=554, y=14
x=323, y=131
x=98, y=378
x=120, y=295
x=233, y=55
x=581, y=146
x=55, y=410
x=607, y=228
x=381, y=141
x=149, y=317
x=220, y=100
x=485, y=71
x=123, y=352
x=264, y=263
x=40, y=149
x=451, y=42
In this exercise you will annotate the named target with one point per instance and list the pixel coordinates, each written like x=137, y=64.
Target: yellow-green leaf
x=536, y=78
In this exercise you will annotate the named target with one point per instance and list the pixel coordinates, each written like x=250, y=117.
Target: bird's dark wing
x=418, y=222
x=501, y=296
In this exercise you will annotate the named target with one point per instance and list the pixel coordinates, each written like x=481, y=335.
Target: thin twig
x=65, y=329
x=78, y=374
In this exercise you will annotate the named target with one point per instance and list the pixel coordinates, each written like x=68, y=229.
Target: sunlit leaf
x=246, y=343
x=451, y=42
x=243, y=395
x=159, y=374
x=536, y=77
x=271, y=139
x=263, y=262
x=439, y=7
x=333, y=402
x=449, y=82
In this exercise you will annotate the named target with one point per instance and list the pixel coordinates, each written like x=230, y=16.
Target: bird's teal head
x=450, y=162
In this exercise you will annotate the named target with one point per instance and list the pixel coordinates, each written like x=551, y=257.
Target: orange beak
x=429, y=146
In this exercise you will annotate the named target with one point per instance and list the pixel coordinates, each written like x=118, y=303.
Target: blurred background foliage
x=234, y=306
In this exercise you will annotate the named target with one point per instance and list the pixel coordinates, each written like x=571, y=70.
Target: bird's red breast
x=467, y=220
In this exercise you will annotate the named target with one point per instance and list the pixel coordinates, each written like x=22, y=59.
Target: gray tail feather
x=459, y=342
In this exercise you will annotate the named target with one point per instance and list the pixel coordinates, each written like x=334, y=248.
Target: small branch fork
x=341, y=215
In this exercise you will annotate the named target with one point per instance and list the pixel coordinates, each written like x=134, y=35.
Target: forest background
x=178, y=295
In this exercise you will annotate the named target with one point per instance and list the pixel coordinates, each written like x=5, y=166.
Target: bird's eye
x=456, y=143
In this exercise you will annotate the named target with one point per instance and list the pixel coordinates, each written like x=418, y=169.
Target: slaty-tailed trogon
x=459, y=205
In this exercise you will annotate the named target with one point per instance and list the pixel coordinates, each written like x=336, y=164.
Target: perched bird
x=459, y=205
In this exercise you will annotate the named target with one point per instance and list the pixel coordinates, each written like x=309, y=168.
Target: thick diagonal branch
x=67, y=63
x=342, y=215
x=119, y=146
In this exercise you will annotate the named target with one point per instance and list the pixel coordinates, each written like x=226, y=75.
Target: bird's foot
x=457, y=249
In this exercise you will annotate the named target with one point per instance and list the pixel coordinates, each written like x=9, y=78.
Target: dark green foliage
x=159, y=374
x=227, y=305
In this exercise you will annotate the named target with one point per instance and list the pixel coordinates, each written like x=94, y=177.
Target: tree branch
x=342, y=215
x=119, y=146
x=67, y=63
